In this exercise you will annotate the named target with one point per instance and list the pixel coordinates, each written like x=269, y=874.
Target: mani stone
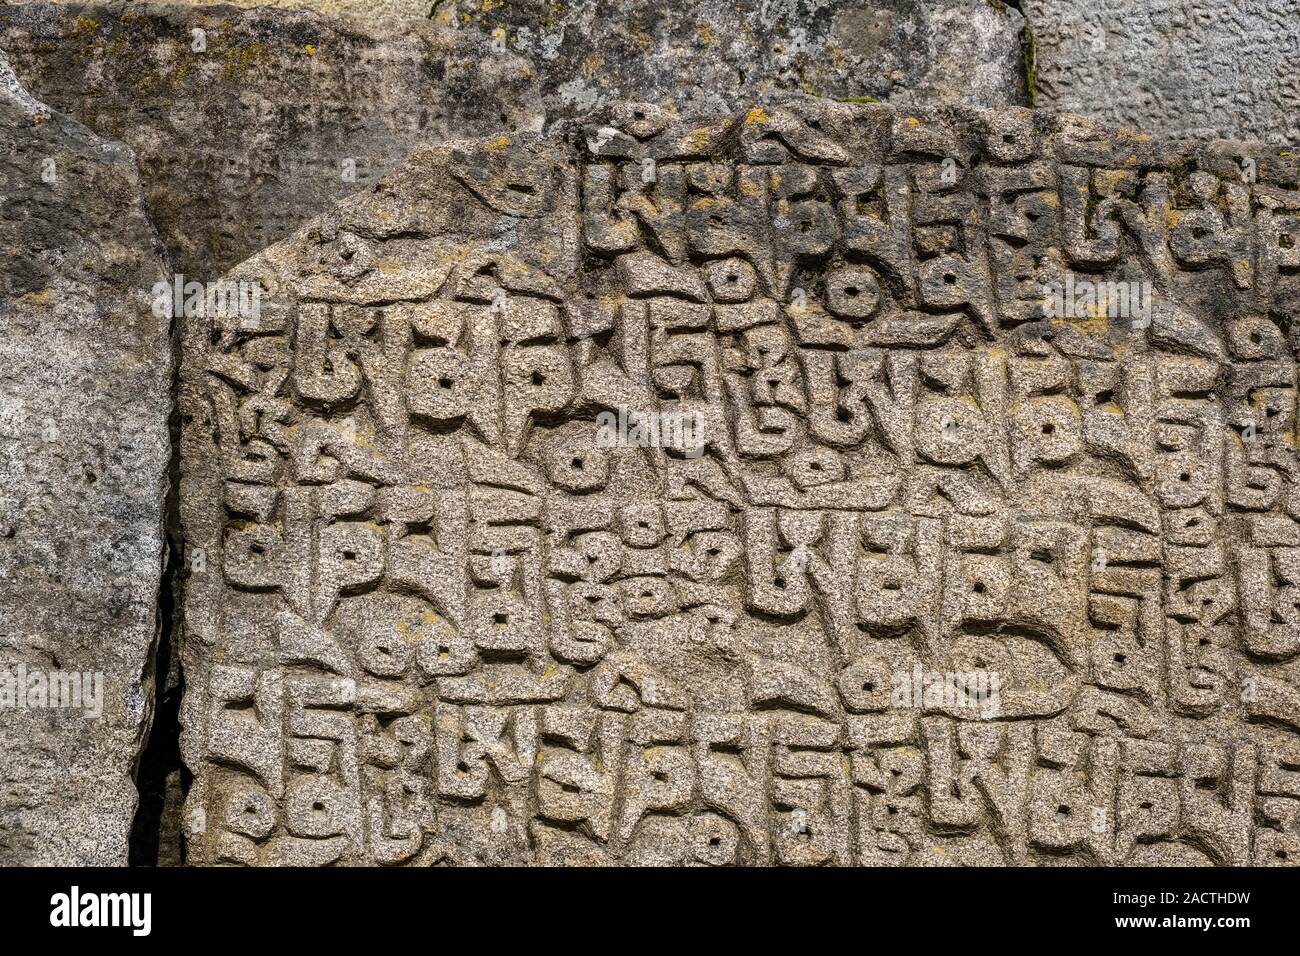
x=1199, y=69
x=85, y=375
x=277, y=114
x=822, y=483
x=248, y=128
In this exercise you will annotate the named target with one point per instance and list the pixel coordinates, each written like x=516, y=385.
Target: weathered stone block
x=85, y=377
x=253, y=124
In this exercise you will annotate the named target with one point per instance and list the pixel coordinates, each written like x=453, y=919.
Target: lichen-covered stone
x=819, y=483
x=85, y=375
x=360, y=9
x=722, y=54
x=277, y=115
x=249, y=127
x=1200, y=69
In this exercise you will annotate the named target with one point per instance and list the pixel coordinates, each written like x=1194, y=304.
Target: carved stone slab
x=822, y=483
x=85, y=375
x=248, y=123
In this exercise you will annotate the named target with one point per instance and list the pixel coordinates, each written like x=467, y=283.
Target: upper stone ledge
x=249, y=121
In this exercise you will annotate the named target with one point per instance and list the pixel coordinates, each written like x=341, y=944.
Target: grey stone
x=818, y=483
x=85, y=375
x=282, y=112
x=722, y=54
x=1199, y=69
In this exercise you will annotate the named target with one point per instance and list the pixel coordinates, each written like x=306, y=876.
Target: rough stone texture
x=361, y=9
x=246, y=140
x=722, y=54
x=85, y=373
x=1197, y=68
x=442, y=618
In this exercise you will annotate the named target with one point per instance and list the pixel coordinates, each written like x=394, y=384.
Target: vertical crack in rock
x=161, y=777
x=1028, y=51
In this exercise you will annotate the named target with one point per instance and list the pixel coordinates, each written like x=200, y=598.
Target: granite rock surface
x=85, y=395
x=818, y=483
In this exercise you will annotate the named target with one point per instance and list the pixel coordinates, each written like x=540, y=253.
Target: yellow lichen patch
x=1133, y=134
x=495, y=145
x=705, y=32
x=756, y=115
x=84, y=25
x=311, y=50
x=43, y=298
x=240, y=60
x=1095, y=322
x=591, y=66
x=698, y=138
x=1109, y=178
